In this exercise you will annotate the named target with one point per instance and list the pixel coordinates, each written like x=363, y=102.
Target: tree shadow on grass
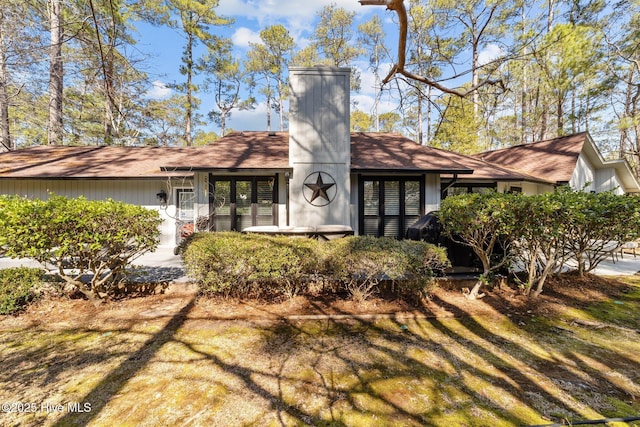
x=412, y=371
x=550, y=369
x=480, y=372
x=367, y=367
x=110, y=385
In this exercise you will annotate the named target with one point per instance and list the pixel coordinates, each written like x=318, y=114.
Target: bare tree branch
x=399, y=66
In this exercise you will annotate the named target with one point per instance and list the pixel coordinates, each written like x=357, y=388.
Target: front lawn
x=177, y=360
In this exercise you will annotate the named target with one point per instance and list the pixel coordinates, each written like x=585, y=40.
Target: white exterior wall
x=432, y=193
x=528, y=188
x=607, y=179
x=583, y=174
x=135, y=192
x=283, y=195
x=201, y=192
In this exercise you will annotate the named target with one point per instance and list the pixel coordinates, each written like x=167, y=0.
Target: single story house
x=317, y=174
x=572, y=160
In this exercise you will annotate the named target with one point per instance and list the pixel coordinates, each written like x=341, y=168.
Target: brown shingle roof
x=51, y=161
x=555, y=159
x=485, y=171
x=369, y=151
x=238, y=150
x=394, y=152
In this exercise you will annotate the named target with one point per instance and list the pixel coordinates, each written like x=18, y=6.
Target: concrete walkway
x=159, y=266
x=626, y=266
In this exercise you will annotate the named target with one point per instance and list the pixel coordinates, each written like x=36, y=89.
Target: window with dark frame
x=240, y=202
x=464, y=188
x=389, y=205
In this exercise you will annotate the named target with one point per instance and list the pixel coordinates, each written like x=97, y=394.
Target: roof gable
x=554, y=159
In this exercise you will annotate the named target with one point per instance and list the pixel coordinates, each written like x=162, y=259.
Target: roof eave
x=228, y=169
x=412, y=171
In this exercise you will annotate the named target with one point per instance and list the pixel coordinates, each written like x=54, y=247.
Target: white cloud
x=297, y=17
x=159, y=90
x=278, y=9
x=489, y=53
x=243, y=36
x=255, y=119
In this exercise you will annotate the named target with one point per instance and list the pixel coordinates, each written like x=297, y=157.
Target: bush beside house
x=541, y=233
x=18, y=287
x=90, y=244
x=237, y=264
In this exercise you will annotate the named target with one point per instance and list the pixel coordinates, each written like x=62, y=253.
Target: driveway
x=628, y=265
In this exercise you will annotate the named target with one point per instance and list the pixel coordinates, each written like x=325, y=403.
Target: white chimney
x=319, y=145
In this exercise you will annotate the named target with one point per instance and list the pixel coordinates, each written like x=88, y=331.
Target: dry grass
x=172, y=360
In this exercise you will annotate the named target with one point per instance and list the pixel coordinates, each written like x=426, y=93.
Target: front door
x=185, y=213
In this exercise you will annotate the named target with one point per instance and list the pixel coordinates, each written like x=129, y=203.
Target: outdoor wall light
x=162, y=196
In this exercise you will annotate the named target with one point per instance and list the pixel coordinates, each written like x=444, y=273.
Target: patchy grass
x=165, y=360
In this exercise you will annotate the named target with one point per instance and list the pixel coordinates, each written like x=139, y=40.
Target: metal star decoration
x=319, y=189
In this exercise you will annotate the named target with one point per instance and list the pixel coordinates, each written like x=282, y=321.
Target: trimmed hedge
x=243, y=265
x=18, y=288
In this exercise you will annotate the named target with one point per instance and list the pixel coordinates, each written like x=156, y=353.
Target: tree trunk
x=428, y=141
x=5, y=135
x=56, y=73
x=475, y=294
x=475, y=79
x=280, y=109
x=560, y=118
x=189, y=109
x=268, y=104
x=525, y=84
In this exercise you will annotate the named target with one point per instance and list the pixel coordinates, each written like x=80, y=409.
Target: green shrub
x=234, y=263
x=18, y=287
x=237, y=264
x=365, y=263
x=541, y=232
x=78, y=236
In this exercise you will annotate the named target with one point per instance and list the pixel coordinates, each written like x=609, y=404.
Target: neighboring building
x=316, y=174
x=573, y=159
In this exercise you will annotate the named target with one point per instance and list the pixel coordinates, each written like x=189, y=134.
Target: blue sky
x=164, y=47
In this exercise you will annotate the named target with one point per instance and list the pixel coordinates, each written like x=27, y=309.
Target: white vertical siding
x=583, y=177
x=319, y=115
x=607, y=179
x=201, y=192
x=432, y=192
x=319, y=142
x=135, y=192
